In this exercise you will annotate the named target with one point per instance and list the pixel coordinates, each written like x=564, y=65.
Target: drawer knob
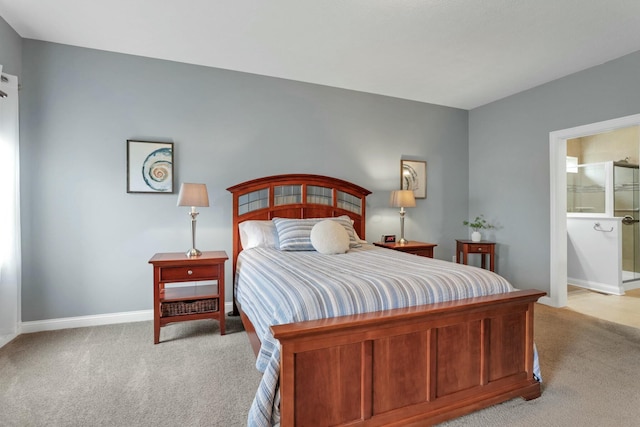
x=479, y=249
x=189, y=272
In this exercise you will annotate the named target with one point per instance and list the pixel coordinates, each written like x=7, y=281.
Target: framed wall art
x=149, y=167
x=413, y=176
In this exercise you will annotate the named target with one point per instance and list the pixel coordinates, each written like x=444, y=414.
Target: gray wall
x=10, y=49
x=509, y=158
x=86, y=242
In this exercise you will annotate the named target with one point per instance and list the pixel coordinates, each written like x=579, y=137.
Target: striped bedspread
x=278, y=287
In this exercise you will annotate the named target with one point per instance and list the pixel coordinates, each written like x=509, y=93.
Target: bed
x=412, y=363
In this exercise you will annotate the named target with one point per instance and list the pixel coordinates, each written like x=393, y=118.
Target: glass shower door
x=626, y=205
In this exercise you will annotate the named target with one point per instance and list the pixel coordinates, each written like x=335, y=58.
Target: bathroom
x=603, y=231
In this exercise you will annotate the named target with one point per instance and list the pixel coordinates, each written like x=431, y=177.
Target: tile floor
x=624, y=309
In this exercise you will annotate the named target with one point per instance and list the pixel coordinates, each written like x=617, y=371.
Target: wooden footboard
x=419, y=365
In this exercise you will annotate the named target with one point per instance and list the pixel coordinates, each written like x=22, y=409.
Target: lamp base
x=193, y=252
x=403, y=241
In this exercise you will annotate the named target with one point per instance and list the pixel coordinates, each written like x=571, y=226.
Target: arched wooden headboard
x=296, y=196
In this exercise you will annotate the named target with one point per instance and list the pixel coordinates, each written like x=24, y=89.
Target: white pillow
x=329, y=237
x=294, y=234
x=359, y=240
x=258, y=234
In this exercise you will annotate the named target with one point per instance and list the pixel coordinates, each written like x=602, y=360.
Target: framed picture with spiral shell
x=149, y=167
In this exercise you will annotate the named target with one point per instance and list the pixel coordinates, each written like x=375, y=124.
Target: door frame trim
x=558, y=200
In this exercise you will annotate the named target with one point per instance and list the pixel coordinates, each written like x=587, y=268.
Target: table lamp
x=402, y=199
x=193, y=195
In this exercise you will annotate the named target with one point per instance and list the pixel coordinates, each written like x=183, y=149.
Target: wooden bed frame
x=412, y=366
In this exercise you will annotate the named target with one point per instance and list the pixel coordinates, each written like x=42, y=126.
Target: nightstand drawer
x=477, y=249
x=413, y=247
x=423, y=252
x=188, y=273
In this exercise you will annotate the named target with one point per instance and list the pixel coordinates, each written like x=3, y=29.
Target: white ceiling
x=458, y=53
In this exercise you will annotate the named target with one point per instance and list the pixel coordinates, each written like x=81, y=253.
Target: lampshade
x=402, y=199
x=193, y=195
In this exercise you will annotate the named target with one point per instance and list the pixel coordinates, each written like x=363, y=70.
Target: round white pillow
x=329, y=237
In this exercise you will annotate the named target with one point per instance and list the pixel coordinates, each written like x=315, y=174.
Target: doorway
x=602, y=183
x=558, y=200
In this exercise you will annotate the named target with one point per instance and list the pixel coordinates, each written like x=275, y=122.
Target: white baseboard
x=93, y=320
x=631, y=285
x=547, y=301
x=596, y=286
x=5, y=339
x=84, y=321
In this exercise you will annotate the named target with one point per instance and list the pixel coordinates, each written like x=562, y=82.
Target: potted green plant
x=479, y=223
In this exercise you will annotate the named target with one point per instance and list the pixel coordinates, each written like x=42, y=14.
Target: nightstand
x=188, y=301
x=483, y=247
x=416, y=248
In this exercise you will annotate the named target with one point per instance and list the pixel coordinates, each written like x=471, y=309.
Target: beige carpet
x=114, y=376
x=591, y=376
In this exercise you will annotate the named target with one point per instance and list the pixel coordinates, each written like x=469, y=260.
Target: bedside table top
x=181, y=257
x=471, y=242
x=409, y=245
